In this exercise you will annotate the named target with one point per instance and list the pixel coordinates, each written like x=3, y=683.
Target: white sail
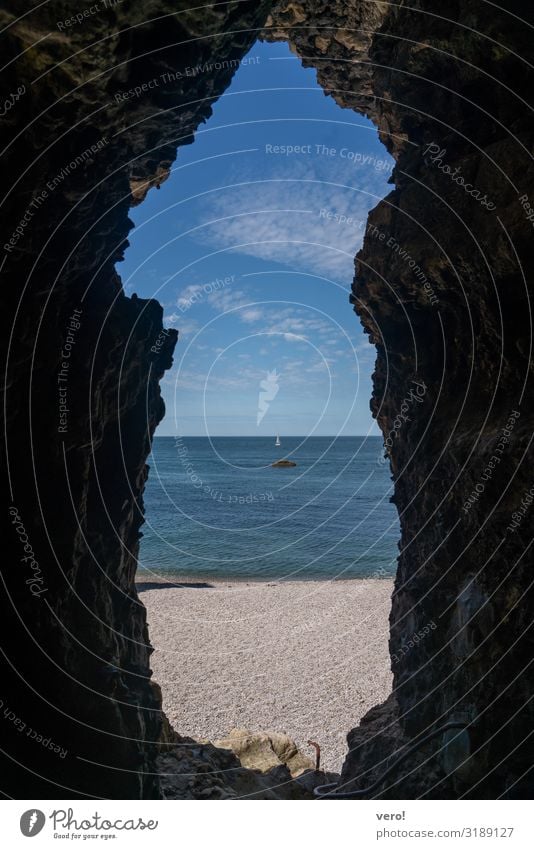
x=277, y=440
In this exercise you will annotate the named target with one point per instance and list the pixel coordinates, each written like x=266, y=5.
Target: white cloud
x=185, y=296
x=298, y=323
x=228, y=299
x=249, y=316
x=291, y=219
x=293, y=337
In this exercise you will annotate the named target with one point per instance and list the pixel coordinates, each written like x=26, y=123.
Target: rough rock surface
x=79, y=652
x=265, y=750
x=79, y=140
x=243, y=766
x=453, y=368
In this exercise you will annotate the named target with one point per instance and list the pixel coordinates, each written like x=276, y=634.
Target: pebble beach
x=307, y=658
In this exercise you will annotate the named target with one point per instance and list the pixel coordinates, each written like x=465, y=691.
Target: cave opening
x=89, y=125
x=249, y=245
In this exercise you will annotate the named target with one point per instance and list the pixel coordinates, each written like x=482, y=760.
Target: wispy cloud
x=249, y=316
x=296, y=323
x=295, y=218
x=185, y=296
x=228, y=299
x=294, y=337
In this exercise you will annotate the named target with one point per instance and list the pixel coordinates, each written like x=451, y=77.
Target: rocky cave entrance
x=249, y=245
x=448, y=96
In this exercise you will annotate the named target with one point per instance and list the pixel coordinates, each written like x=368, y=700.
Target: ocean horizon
x=215, y=508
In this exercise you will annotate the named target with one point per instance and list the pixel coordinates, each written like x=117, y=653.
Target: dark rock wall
x=82, y=145
x=453, y=340
x=442, y=287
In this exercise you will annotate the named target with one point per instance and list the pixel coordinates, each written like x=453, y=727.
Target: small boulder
x=264, y=750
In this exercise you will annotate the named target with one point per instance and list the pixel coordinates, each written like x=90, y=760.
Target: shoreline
x=306, y=658
x=185, y=580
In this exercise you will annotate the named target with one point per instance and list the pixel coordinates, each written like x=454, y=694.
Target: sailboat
x=277, y=443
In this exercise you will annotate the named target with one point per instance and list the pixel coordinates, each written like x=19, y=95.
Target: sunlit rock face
x=440, y=287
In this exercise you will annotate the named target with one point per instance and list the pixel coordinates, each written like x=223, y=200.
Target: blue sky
x=249, y=246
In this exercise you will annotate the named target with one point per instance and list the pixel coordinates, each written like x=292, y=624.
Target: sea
x=216, y=508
